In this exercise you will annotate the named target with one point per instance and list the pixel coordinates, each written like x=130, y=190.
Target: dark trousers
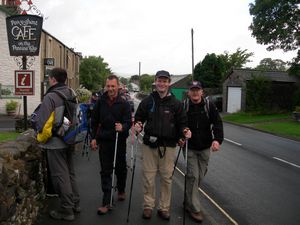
x=63, y=178
x=106, y=156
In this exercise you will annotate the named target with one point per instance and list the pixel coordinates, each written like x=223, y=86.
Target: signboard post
x=24, y=34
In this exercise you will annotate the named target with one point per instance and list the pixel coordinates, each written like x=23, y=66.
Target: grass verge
x=8, y=135
x=278, y=124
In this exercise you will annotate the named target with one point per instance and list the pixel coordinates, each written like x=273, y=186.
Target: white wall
x=7, y=68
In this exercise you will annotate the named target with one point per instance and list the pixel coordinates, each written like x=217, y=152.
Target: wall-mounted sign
x=49, y=61
x=24, y=82
x=24, y=34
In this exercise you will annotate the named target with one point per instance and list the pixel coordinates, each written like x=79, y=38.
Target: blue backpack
x=74, y=124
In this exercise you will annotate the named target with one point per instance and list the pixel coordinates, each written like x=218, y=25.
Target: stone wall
x=21, y=180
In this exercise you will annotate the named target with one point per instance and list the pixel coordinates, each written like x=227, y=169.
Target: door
x=234, y=99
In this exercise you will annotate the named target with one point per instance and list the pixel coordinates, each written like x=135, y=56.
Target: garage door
x=234, y=99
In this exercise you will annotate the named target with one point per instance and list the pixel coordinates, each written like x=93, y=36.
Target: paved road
x=89, y=185
x=250, y=181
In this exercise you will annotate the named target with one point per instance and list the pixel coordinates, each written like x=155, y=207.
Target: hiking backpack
x=186, y=106
x=73, y=127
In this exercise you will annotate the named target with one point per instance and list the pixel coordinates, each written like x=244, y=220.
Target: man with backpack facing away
x=49, y=117
x=110, y=116
x=166, y=123
x=207, y=129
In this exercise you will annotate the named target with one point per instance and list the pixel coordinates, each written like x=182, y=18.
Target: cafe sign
x=24, y=34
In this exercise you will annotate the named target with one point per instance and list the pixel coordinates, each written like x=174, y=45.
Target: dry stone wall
x=21, y=180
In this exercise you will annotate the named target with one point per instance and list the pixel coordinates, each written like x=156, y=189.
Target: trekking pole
x=184, y=198
x=113, y=173
x=132, y=143
x=176, y=161
x=132, y=178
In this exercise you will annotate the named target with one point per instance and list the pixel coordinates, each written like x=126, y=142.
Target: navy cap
x=195, y=84
x=162, y=73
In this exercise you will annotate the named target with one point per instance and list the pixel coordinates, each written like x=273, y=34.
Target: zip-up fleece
x=164, y=117
x=204, y=130
x=50, y=115
x=106, y=114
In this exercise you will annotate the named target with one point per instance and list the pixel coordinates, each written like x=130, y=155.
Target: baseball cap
x=162, y=73
x=195, y=84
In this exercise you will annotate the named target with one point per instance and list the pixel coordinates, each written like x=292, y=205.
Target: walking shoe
x=147, y=213
x=103, y=210
x=198, y=216
x=57, y=215
x=76, y=209
x=165, y=215
x=121, y=196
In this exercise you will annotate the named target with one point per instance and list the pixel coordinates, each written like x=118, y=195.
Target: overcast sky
x=156, y=33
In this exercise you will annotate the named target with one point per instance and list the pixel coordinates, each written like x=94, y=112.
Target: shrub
x=83, y=94
x=11, y=105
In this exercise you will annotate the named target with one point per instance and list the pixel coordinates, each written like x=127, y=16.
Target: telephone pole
x=192, y=36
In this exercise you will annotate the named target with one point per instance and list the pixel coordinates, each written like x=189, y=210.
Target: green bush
x=11, y=105
x=83, y=94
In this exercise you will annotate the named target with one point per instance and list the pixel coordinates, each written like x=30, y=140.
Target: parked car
x=217, y=100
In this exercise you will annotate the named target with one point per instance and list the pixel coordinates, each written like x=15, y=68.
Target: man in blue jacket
x=111, y=115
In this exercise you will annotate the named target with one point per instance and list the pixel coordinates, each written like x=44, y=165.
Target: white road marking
x=282, y=160
x=208, y=197
x=233, y=142
x=213, y=202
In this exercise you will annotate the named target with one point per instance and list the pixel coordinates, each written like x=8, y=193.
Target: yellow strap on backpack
x=47, y=130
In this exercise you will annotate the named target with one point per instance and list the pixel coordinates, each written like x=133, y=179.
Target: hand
x=94, y=145
x=138, y=126
x=118, y=127
x=215, y=146
x=187, y=133
x=181, y=142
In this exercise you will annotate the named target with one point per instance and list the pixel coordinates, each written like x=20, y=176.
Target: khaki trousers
x=197, y=163
x=153, y=165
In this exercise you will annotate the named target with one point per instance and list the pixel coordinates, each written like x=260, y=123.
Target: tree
x=277, y=24
x=146, y=82
x=210, y=71
x=235, y=60
x=92, y=72
x=272, y=64
x=214, y=67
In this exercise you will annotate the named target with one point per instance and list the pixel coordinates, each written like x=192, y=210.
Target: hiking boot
x=147, y=213
x=57, y=215
x=103, y=210
x=164, y=214
x=121, y=196
x=197, y=217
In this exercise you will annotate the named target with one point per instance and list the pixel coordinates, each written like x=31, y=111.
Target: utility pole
x=192, y=35
x=139, y=69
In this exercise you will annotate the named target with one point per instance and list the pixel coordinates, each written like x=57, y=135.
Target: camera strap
x=162, y=151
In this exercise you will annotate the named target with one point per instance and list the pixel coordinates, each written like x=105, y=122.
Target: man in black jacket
x=111, y=115
x=166, y=123
x=207, y=129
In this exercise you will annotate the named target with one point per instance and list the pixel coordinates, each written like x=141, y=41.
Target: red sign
x=24, y=82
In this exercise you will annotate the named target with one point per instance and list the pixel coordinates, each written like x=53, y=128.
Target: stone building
x=52, y=51
x=235, y=88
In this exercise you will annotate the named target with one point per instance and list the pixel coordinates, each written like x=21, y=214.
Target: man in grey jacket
x=59, y=155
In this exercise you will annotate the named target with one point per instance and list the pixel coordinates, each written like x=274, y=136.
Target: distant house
x=235, y=87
